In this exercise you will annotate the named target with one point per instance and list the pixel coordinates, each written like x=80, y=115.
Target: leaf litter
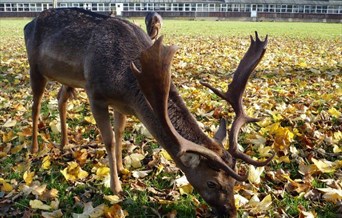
x=296, y=88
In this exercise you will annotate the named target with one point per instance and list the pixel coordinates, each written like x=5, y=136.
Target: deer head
x=153, y=22
x=209, y=167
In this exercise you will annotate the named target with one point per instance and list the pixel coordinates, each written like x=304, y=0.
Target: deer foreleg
x=119, y=126
x=101, y=115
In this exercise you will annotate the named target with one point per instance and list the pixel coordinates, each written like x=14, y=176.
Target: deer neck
x=181, y=119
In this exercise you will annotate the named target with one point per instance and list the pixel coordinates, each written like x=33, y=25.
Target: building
x=323, y=10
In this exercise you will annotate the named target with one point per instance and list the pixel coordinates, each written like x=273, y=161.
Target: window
x=229, y=8
x=131, y=7
x=2, y=7
x=75, y=5
x=260, y=8
x=300, y=8
x=100, y=7
x=236, y=7
x=289, y=9
x=307, y=8
x=14, y=7
x=295, y=9
x=8, y=7
x=93, y=6
x=324, y=9
x=283, y=8
x=272, y=8
x=211, y=7
x=187, y=7
x=243, y=7
x=63, y=5
x=248, y=8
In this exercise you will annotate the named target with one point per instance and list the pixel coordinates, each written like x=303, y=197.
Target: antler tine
x=155, y=78
x=235, y=92
x=154, y=81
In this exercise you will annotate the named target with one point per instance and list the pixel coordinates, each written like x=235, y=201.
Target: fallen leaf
x=254, y=174
x=46, y=163
x=9, y=123
x=37, y=204
x=331, y=194
x=74, y=172
x=113, y=199
x=28, y=177
x=54, y=214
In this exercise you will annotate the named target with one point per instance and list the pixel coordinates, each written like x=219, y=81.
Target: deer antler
x=234, y=95
x=155, y=81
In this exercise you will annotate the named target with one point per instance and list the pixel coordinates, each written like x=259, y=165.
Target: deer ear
x=221, y=133
x=190, y=160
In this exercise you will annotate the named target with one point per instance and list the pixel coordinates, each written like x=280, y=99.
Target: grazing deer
x=117, y=65
x=153, y=22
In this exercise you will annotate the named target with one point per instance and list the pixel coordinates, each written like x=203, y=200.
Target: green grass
x=215, y=28
x=233, y=28
x=143, y=202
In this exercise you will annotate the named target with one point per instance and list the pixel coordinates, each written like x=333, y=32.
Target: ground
x=296, y=88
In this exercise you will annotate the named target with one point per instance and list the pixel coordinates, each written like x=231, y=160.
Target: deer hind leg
x=64, y=94
x=38, y=83
x=119, y=126
x=101, y=115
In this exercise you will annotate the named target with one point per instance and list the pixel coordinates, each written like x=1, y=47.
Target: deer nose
x=222, y=212
x=225, y=212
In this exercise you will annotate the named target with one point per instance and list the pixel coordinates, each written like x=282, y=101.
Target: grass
x=233, y=28
x=216, y=28
x=143, y=203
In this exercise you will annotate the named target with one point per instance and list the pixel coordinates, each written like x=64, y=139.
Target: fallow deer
x=118, y=66
x=153, y=22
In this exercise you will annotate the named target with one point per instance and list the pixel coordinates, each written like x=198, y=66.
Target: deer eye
x=211, y=184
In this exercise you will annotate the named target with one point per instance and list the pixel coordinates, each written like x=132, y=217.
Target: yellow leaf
x=16, y=149
x=337, y=149
x=25, y=132
x=55, y=126
x=115, y=211
x=282, y=159
x=136, y=160
x=333, y=112
x=240, y=201
x=103, y=171
x=39, y=190
x=81, y=156
x=125, y=171
x=37, y=204
x=264, y=205
x=10, y=123
x=74, y=172
x=46, y=163
x=54, y=204
x=254, y=174
x=28, y=177
x=186, y=189
x=3, y=154
x=113, y=199
x=165, y=155
x=7, y=137
x=54, y=214
x=5, y=187
x=90, y=119
x=331, y=195
x=324, y=166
